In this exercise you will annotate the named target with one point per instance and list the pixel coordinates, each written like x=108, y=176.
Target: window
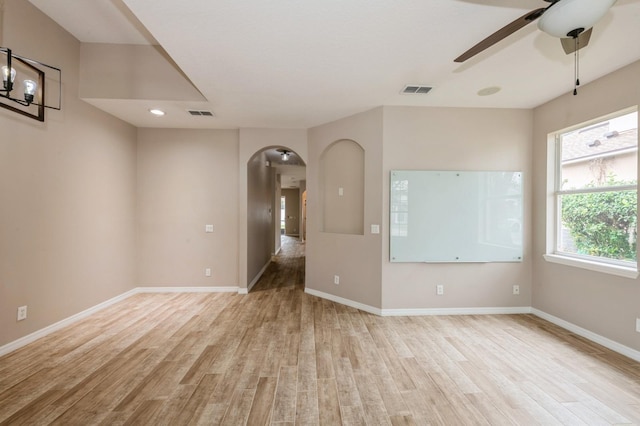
x=593, y=216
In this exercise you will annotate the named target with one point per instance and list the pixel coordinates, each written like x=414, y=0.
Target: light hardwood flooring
x=281, y=357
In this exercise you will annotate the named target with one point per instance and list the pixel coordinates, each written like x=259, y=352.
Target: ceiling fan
x=569, y=20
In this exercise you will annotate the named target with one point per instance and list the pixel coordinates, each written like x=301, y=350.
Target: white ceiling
x=298, y=64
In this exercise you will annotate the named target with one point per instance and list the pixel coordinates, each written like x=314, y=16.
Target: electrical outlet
x=516, y=289
x=638, y=325
x=336, y=279
x=22, y=313
x=207, y=272
x=439, y=289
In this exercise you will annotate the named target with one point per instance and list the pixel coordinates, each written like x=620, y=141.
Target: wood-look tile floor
x=281, y=357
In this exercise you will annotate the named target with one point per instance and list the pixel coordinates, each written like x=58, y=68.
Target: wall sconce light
x=31, y=101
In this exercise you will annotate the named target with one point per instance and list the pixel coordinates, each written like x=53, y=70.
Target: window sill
x=622, y=271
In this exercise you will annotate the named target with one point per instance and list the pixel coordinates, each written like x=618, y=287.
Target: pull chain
x=576, y=65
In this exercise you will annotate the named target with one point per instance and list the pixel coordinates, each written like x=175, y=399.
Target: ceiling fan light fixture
x=565, y=16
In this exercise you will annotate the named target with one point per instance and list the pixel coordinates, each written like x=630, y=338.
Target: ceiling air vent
x=415, y=89
x=200, y=113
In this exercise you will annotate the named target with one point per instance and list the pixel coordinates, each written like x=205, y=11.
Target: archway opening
x=276, y=218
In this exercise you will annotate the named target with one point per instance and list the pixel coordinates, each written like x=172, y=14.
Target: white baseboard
x=608, y=343
x=421, y=311
x=186, y=289
x=343, y=301
x=23, y=341
x=601, y=340
x=456, y=311
x=257, y=277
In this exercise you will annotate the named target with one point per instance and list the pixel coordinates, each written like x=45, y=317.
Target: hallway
x=286, y=269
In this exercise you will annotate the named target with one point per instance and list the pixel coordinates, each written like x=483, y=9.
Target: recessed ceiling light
x=487, y=91
x=156, y=111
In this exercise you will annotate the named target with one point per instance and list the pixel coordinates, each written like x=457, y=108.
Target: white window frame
x=608, y=266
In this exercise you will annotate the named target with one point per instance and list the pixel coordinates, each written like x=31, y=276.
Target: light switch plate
x=375, y=229
x=208, y=228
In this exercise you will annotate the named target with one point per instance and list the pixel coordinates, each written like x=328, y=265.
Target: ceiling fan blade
x=569, y=44
x=501, y=33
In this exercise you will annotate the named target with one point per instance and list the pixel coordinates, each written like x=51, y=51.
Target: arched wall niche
x=342, y=188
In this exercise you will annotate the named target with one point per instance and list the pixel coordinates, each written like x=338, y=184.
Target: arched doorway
x=276, y=182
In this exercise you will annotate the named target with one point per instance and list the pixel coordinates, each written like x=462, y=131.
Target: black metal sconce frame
x=36, y=108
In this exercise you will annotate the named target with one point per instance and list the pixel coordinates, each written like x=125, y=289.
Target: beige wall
x=185, y=180
x=456, y=139
x=261, y=217
x=604, y=304
x=356, y=259
x=67, y=215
